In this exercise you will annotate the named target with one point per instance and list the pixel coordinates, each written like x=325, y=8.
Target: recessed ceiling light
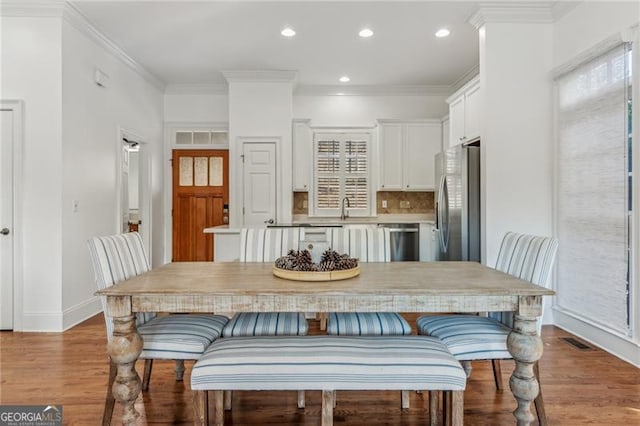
x=345, y=79
x=365, y=32
x=288, y=32
x=443, y=32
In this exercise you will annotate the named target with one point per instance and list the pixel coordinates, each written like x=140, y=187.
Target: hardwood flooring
x=580, y=387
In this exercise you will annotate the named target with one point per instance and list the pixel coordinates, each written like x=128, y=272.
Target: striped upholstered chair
x=368, y=244
x=178, y=337
x=266, y=245
x=472, y=337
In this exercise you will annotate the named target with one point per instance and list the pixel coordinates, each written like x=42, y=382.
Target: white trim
x=245, y=76
x=32, y=9
x=80, y=22
x=465, y=79
x=364, y=90
x=197, y=89
x=634, y=231
x=42, y=322
x=82, y=311
x=413, y=121
x=17, y=107
x=475, y=81
x=587, y=55
x=615, y=344
x=70, y=13
x=520, y=12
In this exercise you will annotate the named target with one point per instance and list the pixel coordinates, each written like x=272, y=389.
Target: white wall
x=365, y=110
x=196, y=107
x=31, y=71
x=515, y=60
x=92, y=119
x=260, y=109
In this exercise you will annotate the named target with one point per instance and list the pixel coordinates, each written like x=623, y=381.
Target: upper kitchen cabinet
x=302, y=154
x=464, y=113
x=407, y=151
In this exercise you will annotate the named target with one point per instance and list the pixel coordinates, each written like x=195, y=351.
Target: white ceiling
x=184, y=42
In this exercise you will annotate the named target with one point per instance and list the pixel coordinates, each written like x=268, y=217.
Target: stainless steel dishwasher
x=405, y=241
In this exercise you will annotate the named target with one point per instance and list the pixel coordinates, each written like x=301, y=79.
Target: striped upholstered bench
x=325, y=363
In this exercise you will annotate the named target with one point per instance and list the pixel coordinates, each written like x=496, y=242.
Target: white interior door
x=6, y=220
x=259, y=183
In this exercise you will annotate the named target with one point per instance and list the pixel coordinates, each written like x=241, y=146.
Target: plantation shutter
x=342, y=169
x=328, y=174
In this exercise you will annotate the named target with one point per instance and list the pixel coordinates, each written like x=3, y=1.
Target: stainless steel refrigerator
x=458, y=203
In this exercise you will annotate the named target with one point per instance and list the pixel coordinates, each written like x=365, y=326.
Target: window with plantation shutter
x=341, y=169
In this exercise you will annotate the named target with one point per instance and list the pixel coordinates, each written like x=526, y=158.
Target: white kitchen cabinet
x=407, y=151
x=391, y=139
x=464, y=113
x=302, y=155
x=428, y=243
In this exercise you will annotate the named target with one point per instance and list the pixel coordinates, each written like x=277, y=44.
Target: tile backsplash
x=405, y=202
x=300, y=202
x=397, y=202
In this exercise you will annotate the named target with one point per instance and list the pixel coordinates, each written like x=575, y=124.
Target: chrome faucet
x=345, y=214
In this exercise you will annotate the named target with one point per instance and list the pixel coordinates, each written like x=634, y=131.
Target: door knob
x=270, y=221
x=4, y=231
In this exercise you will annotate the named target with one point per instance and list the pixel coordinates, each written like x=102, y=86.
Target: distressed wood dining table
x=380, y=287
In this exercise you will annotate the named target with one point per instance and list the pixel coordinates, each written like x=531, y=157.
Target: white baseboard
x=620, y=346
x=41, y=322
x=80, y=312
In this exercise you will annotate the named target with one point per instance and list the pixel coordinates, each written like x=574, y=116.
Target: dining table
x=424, y=287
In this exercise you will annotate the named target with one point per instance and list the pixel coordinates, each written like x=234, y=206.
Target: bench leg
x=146, y=375
x=200, y=412
x=218, y=408
x=539, y=401
x=328, y=398
x=497, y=373
x=323, y=320
x=179, y=370
x=457, y=408
x=433, y=408
x=301, y=399
x=405, y=399
x=227, y=400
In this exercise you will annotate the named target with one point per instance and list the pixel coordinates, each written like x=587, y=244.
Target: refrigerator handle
x=444, y=234
x=439, y=205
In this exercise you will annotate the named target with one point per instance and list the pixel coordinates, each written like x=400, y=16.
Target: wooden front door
x=200, y=193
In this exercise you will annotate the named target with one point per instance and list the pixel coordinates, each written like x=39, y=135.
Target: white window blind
x=342, y=170
x=592, y=179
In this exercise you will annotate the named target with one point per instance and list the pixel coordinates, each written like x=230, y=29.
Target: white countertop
x=300, y=219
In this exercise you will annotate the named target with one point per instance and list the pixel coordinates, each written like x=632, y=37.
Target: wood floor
x=580, y=387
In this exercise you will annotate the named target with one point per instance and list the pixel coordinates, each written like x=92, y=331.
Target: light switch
x=384, y=204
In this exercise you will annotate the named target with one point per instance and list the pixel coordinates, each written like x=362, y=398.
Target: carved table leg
x=526, y=348
x=124, y=348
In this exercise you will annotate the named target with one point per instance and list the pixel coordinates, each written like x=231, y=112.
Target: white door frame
x=17, y=107
x=144, y=185
x=275, y=140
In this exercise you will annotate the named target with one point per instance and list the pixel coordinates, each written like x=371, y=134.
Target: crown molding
x=513, y=12
x=197, y=89
x=32, y=8
x=69, y=13
x=465, y=78
x=259, y=76
x=80, y=22
x=366, y=90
